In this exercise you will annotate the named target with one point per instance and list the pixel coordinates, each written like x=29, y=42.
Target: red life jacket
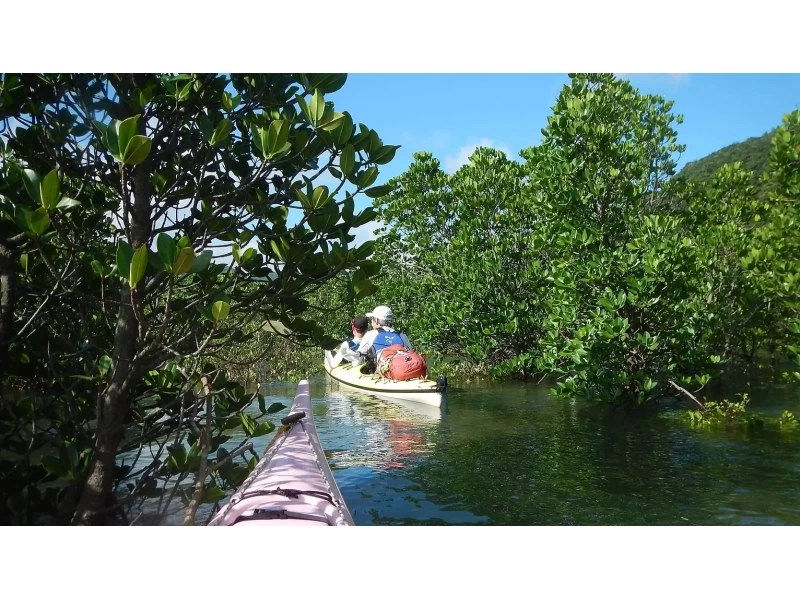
x=398, y=363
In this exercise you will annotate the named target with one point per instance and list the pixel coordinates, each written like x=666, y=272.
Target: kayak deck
x=429, y=392
x=292, y=483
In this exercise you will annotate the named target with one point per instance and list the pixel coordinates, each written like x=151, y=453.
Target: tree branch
x=688, y=394
x=205, y=443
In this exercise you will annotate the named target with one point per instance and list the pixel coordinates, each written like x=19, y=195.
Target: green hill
x=752, y=153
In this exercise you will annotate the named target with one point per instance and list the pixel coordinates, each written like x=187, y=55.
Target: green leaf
x=316, y=108
x=98, y=268
x=185, y=90
x=275, y=407
x=263, y=428
x=126, y=130
x=337, y=120
x=183, y=263
x=159, y=182
x=221, y=132
x=304, y=201
x=227, y=101
x=300, y=140
x=375, y=143
x=23, y=261
x=370, y=267
x=124, y=257
x=212, y=494
x=219, y=311
x=347, y=161
x=112, y=139
x=167, y=250
x=301, y=101
x=361, y=140
x=202, y=261
x=379, y=191
x=364, y=216
x=362, y=286
x=49, y=192
x=260, y=136
x=104, y=364
x=276, y=248
x=328, y=82
x=345, y=131
x=102, y=129
x=385, y=154
x=33, y=184
x=262, y=407
x=143, y=97
x=367, y=177
x=39, y=223
x=138, y=265
x=347, y=209
x=320, y=196
x=277, y=136
x=177, y=459
x=366, y=249
x=206, y=127
x=248, y=255
x=66, y=203
x=248, y=424
x=137, y=150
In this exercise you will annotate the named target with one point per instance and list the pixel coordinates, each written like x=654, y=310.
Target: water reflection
x=510, y=454
x=374, y=444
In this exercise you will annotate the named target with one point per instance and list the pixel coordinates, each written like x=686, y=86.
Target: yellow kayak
x=429, y=392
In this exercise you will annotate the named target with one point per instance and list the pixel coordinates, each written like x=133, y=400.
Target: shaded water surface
x=512, y=455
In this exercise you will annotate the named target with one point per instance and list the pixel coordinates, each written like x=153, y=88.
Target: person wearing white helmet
x=382, y=334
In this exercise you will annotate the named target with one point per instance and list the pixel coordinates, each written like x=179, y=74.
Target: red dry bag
x=398, y=363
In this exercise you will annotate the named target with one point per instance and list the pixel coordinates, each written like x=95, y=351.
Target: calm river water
x=510, y=454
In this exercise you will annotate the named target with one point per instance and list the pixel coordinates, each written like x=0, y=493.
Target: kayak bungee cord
x=291, y=493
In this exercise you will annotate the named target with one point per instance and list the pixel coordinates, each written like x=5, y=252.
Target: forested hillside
x=753, y=153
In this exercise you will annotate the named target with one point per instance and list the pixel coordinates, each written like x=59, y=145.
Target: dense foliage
x=165, y=239
x=116, y=325
x=590, y=263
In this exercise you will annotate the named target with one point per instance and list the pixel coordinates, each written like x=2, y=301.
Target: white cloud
x=453, y=163
x=677, y=78
x=365, y=232
x=671, y=79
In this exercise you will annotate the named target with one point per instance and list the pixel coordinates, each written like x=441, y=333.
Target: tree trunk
x=6, y=306
x=111, y=411
x=113, y=405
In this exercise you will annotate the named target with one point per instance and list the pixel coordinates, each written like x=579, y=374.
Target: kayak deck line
x=291, y=493
x=292, y=483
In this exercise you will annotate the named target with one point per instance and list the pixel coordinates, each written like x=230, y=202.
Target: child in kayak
x=359, y=326
x=348, y=350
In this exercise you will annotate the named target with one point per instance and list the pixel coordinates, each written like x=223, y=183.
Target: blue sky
x=450, y=114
